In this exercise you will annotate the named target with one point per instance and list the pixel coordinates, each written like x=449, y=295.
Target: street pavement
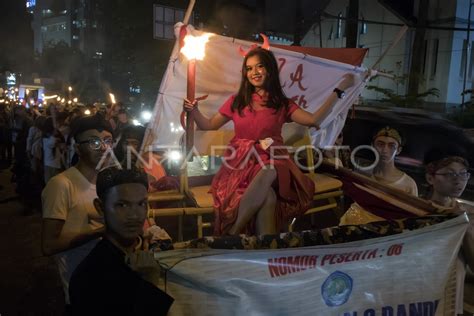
x=29, y=283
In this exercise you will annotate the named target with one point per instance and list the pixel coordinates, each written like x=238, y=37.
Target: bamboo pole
x=397, y=39
x=399, y=194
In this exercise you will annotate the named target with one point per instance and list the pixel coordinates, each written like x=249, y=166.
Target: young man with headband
x=388, y=144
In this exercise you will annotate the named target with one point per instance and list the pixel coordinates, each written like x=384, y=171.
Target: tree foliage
x=403, y=100
x=406, y=100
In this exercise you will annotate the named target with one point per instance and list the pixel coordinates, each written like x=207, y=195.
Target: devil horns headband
x=265, y=45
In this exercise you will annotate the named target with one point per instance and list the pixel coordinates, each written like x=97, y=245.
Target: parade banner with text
x=407, y=274
x=306, y=79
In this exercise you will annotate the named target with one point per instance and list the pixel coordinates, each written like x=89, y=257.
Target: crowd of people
x=94, y=210
x=59, y=153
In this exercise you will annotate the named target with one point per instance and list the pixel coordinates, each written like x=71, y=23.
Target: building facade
x=448, y=59
x=73, y=22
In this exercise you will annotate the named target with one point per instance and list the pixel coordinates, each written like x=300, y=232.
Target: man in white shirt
x=71, y=225
x=447, y=172
x=388, y=144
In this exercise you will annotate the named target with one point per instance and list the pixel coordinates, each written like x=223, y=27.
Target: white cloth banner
x=306, y=79
x=407, y=274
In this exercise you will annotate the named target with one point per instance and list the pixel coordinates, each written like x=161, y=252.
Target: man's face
x=115, y=110
x=91, y=146
x=449, y=181
x=125, y=210
x=132, y=143
x=387, y=147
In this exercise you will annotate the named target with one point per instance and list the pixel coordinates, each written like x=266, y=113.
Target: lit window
x=339, y=25
x=75, y=37
x=434, y=58
x=165, y=18
x=135, y=89
x=30, y=3
x=363, y=26
x=425, y=52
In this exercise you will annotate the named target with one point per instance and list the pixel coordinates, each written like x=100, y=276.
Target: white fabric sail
x=306, y=79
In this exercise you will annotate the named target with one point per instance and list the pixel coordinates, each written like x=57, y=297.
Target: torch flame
x=194, y=46
x=112, y=98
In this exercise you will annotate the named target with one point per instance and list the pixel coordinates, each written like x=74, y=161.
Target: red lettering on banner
x=286, y=265
x=273, y=268
x=365, y=254
x=356, y=256
x=282, y=266
x=297, y=77
x=294, y=263
x=372, y=254
x=300, y=100
x=325, y=258
x=280, y=67
x=341, y=257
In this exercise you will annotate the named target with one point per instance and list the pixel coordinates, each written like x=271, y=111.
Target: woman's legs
x=265, y=222
x=254, y=198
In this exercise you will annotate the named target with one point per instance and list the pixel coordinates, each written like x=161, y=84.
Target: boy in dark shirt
x=115, y=278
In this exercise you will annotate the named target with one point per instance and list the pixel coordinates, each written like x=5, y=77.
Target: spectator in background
x=53, y=148
x=34, y=147
x=92, y=108
x=128, y=146
x=71, y=225
x=447, y=172
x=117, y=277
x=112, y=114
x=5, y=137
x=71, y=156
x=117, y=117
x=73, y=115
x=21, y=166
x=122, y=122
x=129, y=141
x=101, y=109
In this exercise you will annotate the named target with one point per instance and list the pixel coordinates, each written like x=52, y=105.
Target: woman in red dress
x=257, y=190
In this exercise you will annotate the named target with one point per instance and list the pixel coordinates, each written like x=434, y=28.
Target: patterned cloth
x=326, y=236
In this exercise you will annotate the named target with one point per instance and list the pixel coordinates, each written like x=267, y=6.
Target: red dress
x=293, y=189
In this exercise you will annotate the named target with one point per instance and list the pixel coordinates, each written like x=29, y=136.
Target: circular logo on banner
x=336, y=289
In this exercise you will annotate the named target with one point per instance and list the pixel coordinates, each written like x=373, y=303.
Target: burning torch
x=193, y=49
